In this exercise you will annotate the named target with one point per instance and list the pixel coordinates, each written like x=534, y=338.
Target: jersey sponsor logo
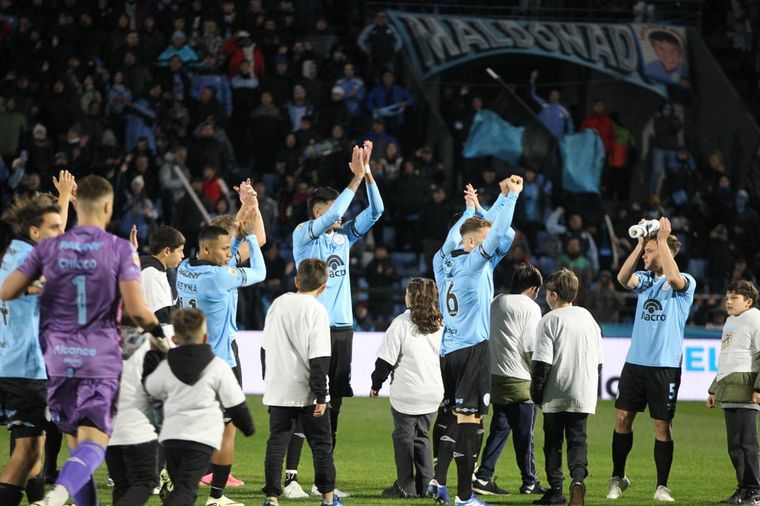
x=79, y=246
x=335, y=266
x=189, y=274
x=652, y=311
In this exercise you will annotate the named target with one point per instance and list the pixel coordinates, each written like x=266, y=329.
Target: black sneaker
x=487, y=488
x=532, y=488
x=737, y=497
x=577, y=494
x=552, y=496
x=397, y=492
x=751, y=496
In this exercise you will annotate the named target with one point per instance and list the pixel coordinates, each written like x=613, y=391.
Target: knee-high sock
x=11, y=494
x=53, y=439
x=219, y=479
x=335, y=405
x=293, y=457
x=621, y=447
x=465, y=455
x=446, y=444
x=87, y=495
x=80, y=467
x=663, y=459
x=439, y=429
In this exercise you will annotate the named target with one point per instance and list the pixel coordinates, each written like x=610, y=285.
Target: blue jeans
x=517, y=418
x=659, y=162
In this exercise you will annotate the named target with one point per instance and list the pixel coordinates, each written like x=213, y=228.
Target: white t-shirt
x=131, y=425
x=740, y=344
x=513, y=335
x=570, y=340
x=194, y=412
x=157, y=291
x=416, y=384
x=296, y=330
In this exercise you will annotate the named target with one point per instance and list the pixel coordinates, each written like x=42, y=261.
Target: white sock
x=58, y=496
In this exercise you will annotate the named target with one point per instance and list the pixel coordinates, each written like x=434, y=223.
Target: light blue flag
x=582, y=159
x=492, y=136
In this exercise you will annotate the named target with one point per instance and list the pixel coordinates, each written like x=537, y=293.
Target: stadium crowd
x=280, y=91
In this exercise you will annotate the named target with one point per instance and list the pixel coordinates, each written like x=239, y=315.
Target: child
x=410, y=353
x=195, y=386
x=737, y=388
x=565, y=375
x=297, y=360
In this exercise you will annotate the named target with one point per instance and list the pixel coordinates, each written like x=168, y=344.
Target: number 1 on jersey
x=81, y=283
x=190, y=303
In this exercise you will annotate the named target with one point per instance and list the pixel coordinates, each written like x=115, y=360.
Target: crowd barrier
x=700, y=363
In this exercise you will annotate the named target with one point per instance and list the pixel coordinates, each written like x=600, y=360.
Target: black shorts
x=238, y=372
x=656, y=387
x=467, y=380
x=341, y=340
x=23, y=406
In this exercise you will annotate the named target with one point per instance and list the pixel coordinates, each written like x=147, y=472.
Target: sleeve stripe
x=483, y=253
x=354, y=231
x=243, y=274
x=311, y=234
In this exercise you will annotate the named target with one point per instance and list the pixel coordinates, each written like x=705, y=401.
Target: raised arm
x=501, y=229
x=669, y=265
x=538, y=100
x=369, y=216
x=626, y=276
x=249, y=202
x=66, y=187
x=454, y=238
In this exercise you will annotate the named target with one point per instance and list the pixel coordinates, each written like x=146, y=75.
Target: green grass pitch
x=702, y=473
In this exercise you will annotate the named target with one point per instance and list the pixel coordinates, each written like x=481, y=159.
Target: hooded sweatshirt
x=193, y=385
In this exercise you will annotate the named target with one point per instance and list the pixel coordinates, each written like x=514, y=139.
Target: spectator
x=90, y=94
x=140, y=122
x=138, y=211
x=353, y=89
x=299, y=107
x=214, y=188
x=574, y=228
x=379, y=138
x=391, y=162
x=207, y=106
x=604, y=302
x=746, y=224
x=380, y=41
x=315, y=91
x=335, y=112
x=381, y=276
x=600, y=121
x=576, y=261
x=206, y=150
x=153, y=39
x=179, y=47
x=362, y=319
x=277, y=268
x=389, y=100
x=242, y=48
x=321, y=39
x=488, y=189
x=187, y=217
x=410, y=190
x=172, y=187
x=136, y=75
x=40, y=152
x=553, y=114
x=434, y=221
x=175, y=80
x=266, y=130
x=208, y=76
x=667, y=126
x=280, y=83
x=332, y=69
x=208, y=42
x=12, y=128
x=530, y=206
x=267, y=207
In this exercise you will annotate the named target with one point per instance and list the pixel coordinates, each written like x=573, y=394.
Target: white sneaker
x=109, y=482
x=338, y=492
x=617, y=485
x=663, y=494
x=156, y=490
x=294, y=491
x=222, y=501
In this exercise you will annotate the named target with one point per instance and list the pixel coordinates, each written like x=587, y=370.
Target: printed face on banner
x=663, y=53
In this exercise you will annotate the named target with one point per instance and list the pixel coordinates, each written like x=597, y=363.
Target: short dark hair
x=165, y=237
x=312, y=273
x=29, y=211
x=187, y=324
x=744, y=288
x=320, y=195
x=674, y=244
x=211, y=233
x=473, y=224
x=91, y=189
x=564, y=283
x=524, y=277
x=663, y=36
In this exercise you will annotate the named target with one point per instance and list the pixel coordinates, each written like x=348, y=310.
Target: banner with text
x=647, y=55
x=700, y=364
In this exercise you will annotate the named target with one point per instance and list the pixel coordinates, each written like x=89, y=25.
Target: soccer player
x=652, y=371
x=514, y=318
x=297, y=341
x=737, y=388
x=326, y=237
x=564, y=377
x=23, y=381
x=87, y=271
x=445, y=430
x=194, y=384
x=467, y=276
x=410, y=352
x=209, y=283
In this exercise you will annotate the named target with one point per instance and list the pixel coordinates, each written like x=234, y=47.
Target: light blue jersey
x=311, y=239
x=213, y=289
x=20, y=353
x=466, y=282
x=661, y=314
